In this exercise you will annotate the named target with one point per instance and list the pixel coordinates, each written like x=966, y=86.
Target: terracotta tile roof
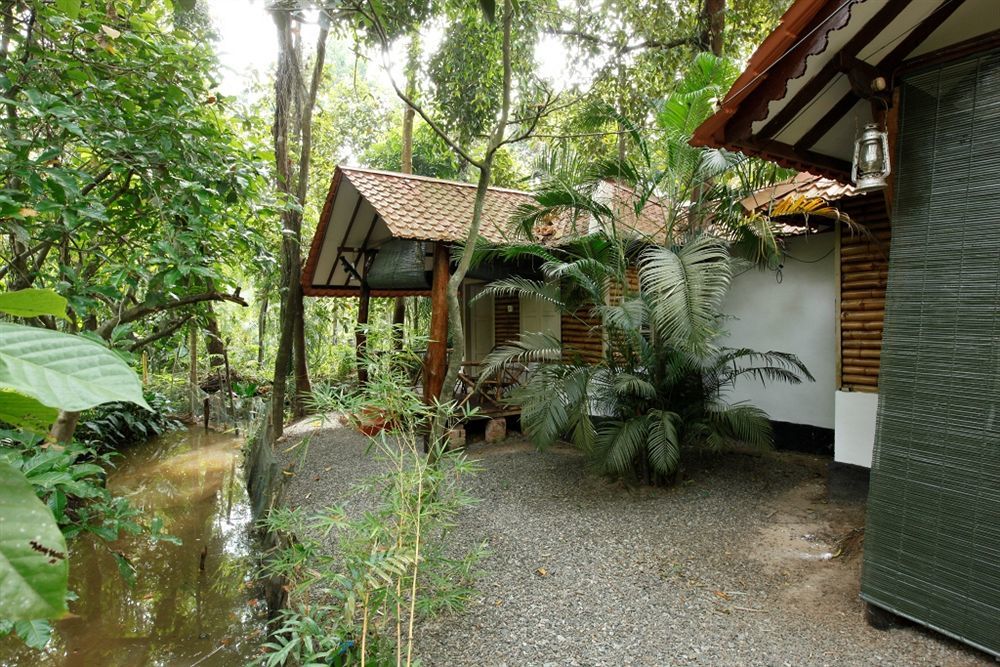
x=430, y=209
x=802, y=184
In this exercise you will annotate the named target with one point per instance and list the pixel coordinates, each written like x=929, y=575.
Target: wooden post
x=436, y=364
x=361, y=336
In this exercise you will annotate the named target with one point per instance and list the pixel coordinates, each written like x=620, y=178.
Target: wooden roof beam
x=791, y=65
x=835, y=66
x=888, y=64
x=799, y=159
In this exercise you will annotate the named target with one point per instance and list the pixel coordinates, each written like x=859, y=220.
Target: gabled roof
x=432, y=209
x=365, y=208
x=806, y=90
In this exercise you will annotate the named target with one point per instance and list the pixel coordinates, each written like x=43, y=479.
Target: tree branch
x=142, y=310
x=163, y=331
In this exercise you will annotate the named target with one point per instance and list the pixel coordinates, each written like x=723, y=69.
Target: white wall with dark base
x=796, y=315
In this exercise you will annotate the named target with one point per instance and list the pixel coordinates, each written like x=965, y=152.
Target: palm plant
x=654, y=296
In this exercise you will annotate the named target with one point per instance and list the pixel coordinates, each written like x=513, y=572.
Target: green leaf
x=63, y=371
x=70, y=8
x=25, y=412
x=35, y=634
x=33, y=303
x=33, y=563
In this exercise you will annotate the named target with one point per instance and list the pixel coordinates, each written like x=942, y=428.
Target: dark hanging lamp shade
x=399, y=265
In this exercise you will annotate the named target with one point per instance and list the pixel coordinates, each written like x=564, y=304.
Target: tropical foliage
x=654, y=294
x=358, y=601
x=42, y=371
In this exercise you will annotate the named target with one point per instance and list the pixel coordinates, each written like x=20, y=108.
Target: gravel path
x=732, y=567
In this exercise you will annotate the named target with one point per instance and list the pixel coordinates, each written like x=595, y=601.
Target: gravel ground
x=731, y=567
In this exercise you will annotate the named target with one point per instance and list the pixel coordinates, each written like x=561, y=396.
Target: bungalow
x=385, y=234
x=925, y=74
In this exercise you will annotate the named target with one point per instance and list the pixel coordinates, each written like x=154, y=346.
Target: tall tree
x=293, y=112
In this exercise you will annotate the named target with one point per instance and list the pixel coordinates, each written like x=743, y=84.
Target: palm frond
x=618, y=443
x=745, y=424
x=687, y=287
x=664, y=445
x=531, y=347
x=522, y=287
x=628, y=385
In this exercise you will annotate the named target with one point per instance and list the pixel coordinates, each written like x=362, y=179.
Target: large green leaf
x=70, y=8
x=32, y=303
x=25, y=412
x=63, y=371
x=33, y=563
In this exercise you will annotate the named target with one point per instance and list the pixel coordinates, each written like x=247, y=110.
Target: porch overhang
x=808, y=88
x=366, y=209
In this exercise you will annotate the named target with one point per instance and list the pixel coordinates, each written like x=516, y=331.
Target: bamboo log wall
x=864, y=268
x=582, y=336
x=506, y=319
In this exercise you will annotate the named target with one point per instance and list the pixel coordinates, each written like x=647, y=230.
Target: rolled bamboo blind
x=932, y=543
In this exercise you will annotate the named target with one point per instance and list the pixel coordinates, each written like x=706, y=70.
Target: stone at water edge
x=496, y=429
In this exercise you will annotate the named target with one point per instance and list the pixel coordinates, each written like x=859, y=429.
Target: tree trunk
x=399, y=323
x=193, y=388
x=214, y=347
x=261, y=330
x=303, y=388
x=713, y=22
x=65, y=426
x=288, y=103
x=285, y=77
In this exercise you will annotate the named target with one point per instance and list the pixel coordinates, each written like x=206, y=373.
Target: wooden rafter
x=833, y=67
x=888, y=64
x=791, y=65
x=347, y=232
x=364, y=244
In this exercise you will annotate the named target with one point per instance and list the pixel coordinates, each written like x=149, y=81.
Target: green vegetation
x=358, y=580
x=150, y=223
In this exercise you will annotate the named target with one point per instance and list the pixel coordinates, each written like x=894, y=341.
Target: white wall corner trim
x=854, y=437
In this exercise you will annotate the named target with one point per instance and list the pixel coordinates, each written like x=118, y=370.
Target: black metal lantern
x=871, y=159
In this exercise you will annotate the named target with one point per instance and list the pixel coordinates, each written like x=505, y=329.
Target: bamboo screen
x=932, y=545
x=864, y=267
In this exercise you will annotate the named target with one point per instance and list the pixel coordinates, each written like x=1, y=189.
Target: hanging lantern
x=871, y=159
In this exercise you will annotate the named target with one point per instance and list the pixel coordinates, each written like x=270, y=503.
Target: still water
x=192, y=604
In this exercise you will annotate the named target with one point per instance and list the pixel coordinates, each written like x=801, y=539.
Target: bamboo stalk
x=863, y=316
x=860, y=379
x=862, y=388
x=862, y=335
x=863, y=304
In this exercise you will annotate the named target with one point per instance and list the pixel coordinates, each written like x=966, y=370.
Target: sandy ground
x=744, y=563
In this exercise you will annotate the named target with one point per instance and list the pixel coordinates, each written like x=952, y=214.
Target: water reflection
x=190, y=602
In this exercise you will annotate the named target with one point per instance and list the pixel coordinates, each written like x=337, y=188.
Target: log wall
x=864, y=268
x=506, y=321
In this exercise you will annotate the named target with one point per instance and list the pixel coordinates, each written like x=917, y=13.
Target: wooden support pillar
x=361, y=336
x=436, y=364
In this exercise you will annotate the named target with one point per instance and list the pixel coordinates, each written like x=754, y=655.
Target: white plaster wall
x=797, y=316
x=854, y=439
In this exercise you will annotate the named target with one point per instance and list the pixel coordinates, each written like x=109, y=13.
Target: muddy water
x=191, y=603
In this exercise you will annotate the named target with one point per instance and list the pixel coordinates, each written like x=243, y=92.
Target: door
x=479, y=324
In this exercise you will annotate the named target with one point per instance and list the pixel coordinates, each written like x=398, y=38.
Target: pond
x=193, y=603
